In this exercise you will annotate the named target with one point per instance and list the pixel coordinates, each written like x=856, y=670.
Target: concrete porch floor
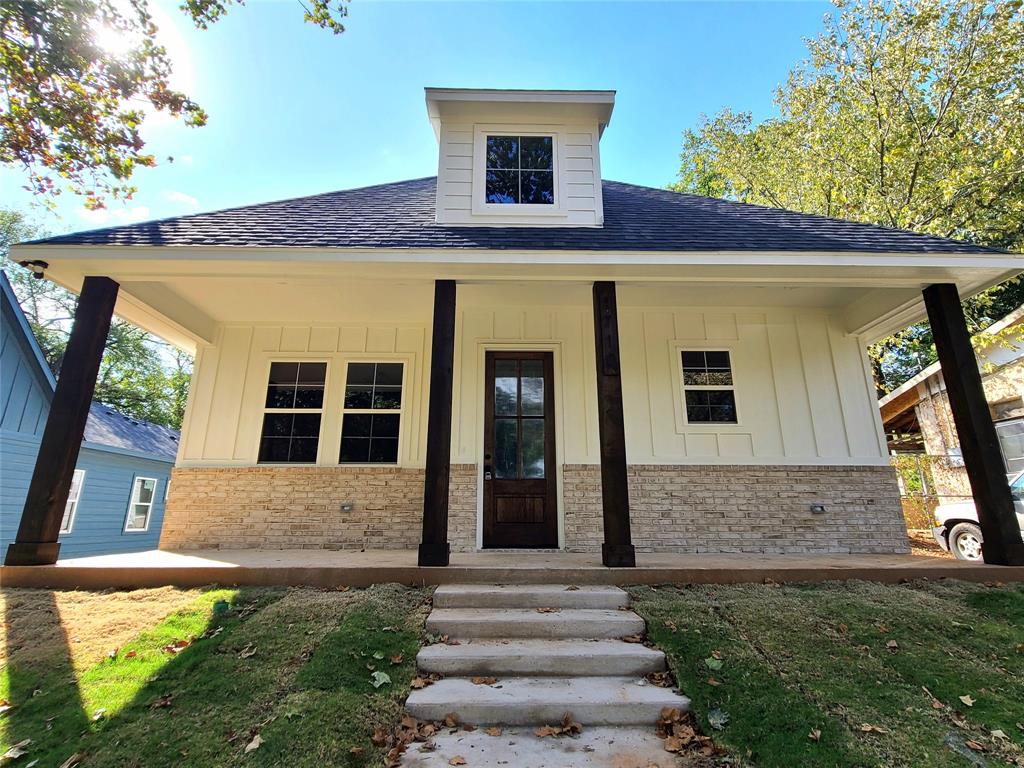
x=322, y=568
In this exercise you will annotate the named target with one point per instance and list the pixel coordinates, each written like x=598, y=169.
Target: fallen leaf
x=356, y=750
x=712, y=681
x=672, y=744
x=98, y=714
x=570, y=726
x=420, y=682
x=718, y=719
x=248, y=652
x=632, y=639
x=712, y=663
x=976, y=746
x=482, y=680
x=112, y=654
x=671, y=624
x=892, y=645
x=377, y=679
x=160, y=702
x=495, y=731
x=379, y=738
x=5, y=706
x=457, y=760
x=72, y=761
x=131, y=655
x=177, y=646
x=254, y=744
x=999, y=735
x=397, y=658
x=17, y=750
x=868, y=728
x=660, y=679
x=544, y=731
x=572, y=588
x=378, y=655
x=548, y=610
x=451, y=720
x=814, y=735
x=967, y=700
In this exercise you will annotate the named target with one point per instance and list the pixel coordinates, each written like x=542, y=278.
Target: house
x=517, y=354
x=119, y=483
x=917, y=417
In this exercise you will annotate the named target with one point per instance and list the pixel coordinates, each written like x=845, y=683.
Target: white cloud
x=186, y=159
x=174, y=196
x=114, y=216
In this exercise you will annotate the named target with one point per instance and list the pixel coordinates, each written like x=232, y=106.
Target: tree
x=906, y=114
x=71, y=109
x=140, y=376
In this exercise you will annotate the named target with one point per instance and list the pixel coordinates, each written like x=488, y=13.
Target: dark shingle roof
x=401, y=215
x=108, y=427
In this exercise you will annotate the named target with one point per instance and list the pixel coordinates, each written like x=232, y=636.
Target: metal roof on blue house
x=401, y=216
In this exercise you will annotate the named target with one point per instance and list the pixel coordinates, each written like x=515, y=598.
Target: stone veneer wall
x=300, y=508
x=743, y=509
x=707, y=508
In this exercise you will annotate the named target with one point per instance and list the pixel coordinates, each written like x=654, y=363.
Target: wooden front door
x=520, y=508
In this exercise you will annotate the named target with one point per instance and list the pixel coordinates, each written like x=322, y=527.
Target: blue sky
x=295, y=110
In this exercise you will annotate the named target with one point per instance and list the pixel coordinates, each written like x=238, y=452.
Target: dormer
x=519, y=158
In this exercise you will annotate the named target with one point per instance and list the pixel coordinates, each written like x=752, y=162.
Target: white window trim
x=74, y=501
x=525, y=210
x=375, y=411
x=136, y=482
x=679, y=389
x=322, y=410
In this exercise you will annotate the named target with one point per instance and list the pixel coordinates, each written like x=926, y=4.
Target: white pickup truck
x=956, y=525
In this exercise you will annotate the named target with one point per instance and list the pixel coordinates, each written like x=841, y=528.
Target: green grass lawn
x=876, y=670
x=310, y=672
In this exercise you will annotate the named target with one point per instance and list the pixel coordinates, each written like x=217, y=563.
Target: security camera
x=38, y=268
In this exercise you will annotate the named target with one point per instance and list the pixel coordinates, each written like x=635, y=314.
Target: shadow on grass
x=42, y=689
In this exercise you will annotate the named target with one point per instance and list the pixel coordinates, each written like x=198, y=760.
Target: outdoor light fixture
x=818, y=509
x=38, y=268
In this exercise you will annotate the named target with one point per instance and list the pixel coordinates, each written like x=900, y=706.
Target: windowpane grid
x=77, y=481
x=141, y=504
x=708, y=387
x=519, y=170
x=370, y=424
x=291, y=425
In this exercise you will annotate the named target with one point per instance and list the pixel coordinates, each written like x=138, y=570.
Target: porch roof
x=401, y=216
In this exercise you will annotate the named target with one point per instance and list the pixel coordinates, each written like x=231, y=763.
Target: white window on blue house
x=372, y=413
x=708, y=387
x=294, y=408
x=141, y=505
x=77, y=481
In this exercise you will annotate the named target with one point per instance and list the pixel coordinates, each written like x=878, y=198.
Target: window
x=519, y=170
x=1011, y=441
x=708, y=388
x=373, y=407
x=141, y=504
x=77, y=481
x=291, y=423
x=1007, y=409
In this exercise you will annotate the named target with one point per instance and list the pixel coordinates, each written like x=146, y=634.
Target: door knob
x=488, y=473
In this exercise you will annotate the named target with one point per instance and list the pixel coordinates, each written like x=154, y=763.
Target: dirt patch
x=922, y=543
x=89, y=624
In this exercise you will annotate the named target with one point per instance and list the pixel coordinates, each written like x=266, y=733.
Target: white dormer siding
x=573, y=120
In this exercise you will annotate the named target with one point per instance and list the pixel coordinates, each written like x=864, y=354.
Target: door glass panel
x=532, y=383
x=533, y=448
x=505, y=448
x=505, y=393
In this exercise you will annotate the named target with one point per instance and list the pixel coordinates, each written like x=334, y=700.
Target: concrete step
x=601, y=747
x=528, y=596
x=544, y=700
x=562, y=658
x=469, y=623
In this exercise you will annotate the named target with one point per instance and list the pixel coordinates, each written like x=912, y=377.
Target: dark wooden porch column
x=978, y=442
x=617, y=550
x=36, y=543
x=434, y=549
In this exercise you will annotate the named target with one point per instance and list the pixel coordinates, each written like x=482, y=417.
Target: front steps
x=553, y=648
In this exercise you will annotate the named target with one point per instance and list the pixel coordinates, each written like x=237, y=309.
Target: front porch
x=322, y=568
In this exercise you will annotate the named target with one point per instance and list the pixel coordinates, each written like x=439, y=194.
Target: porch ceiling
x=183, y=294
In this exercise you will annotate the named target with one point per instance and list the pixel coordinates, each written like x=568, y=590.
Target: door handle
x=488, y=473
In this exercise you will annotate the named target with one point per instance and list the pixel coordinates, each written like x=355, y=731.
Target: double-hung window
x=708, y=389
x=294, y=408
x=141, y=504
x=372, y=413
x=77, y=481
x=519, y=170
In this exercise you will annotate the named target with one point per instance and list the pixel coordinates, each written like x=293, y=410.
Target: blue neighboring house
x=120, y=484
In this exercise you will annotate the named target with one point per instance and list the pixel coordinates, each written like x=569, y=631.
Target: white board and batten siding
x=803, y=389
x=577, y=176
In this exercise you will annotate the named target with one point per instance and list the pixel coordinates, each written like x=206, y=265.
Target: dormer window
x=520, y=170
